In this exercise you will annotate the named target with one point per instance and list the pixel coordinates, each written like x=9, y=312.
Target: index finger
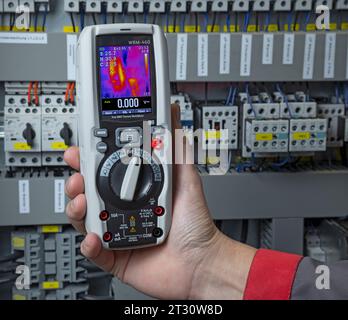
x=72, y=157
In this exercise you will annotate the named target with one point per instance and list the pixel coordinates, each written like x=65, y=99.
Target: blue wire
x=246, y=22
x=44, y=17
x=145, y=16
x=268, y=20
x=282, y=163
x=337, y=94
x=167, y=21
x=229, y=96
x=206, y=20
x=35, y=21
x=82, y=19
x=250, y=99
x=289, y=20
x=308, y=16
x=105, y=16
x=234, y=96
x=182, y=27
x=345, y=96
x=286, y=100
x=228, y=22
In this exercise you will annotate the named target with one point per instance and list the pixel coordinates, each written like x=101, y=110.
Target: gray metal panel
x=41, y=203
x=259, y=72
x=277, y=195
x=288, y=235
x=42, y=62
x=249, y=196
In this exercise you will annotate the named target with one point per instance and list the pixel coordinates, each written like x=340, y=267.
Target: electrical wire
x=72, y=21
x=36, y=21
x=250, y=102
x=285, y=98
x=174, y=22
x=71, y=93
x=36, y=92
x=196, y=22
x=206, y=21
x=66, y=97
x=113, y=17
x=308, y=17
x=154, y=18
x=212, y=27
x=268, y=21
x=182, y=24
x=11, y=257
x=12, y=20
x=134, y=17
x=104, y=12
x=246, y=22
x=94, y=18
x=82, y=15
x=44, y=18
x=228, y=22
x=29, y=93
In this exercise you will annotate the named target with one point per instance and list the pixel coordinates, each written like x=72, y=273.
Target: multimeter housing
x=123, y=83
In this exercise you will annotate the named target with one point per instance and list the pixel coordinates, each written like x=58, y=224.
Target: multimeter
x=125, y=153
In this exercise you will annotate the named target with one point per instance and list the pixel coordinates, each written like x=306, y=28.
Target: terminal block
x=31, y=244
x=93, y=6
x=303, y=5
x=68, y=257
x=308, y=135
x=333, y=113
x=219, y=6
x=199, y=6
x=214, y=120
x=345, y=119
x=10, y=6
x=178, y=6
x=30, y=294
x=186, y=111
x=267, y=136
x=282, y=5
x=71, y=6
x=157, y=6
x=22, y=128
x=59, y=128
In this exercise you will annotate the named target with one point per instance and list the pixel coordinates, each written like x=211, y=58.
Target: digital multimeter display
x=125, y=79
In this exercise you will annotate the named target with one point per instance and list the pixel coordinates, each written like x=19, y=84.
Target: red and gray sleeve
x=277, y=275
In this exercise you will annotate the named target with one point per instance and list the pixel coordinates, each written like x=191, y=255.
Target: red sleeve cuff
x=271, y=275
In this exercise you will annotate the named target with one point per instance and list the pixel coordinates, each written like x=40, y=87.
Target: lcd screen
x=125, y=79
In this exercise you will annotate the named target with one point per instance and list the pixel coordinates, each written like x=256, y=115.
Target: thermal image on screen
x=124, y=71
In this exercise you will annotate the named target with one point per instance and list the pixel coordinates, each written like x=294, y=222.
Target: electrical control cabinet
x=267, y=136
x=215, y=120
x=282, y=82
x=308, y=135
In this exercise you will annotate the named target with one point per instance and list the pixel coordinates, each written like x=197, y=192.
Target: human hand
x=176, y=269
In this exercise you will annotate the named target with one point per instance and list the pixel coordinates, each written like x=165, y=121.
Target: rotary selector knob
x=130, y=179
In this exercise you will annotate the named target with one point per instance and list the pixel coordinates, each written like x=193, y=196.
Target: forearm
x=224, y=273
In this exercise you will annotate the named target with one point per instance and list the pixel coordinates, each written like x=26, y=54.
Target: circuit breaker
x=215, y=119
x=267, y=136
x=186, y=111
x=22, y=128
x=59, y=128
x=308, y=135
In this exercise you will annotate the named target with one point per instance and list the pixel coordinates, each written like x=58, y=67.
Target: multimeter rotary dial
x=129, y=179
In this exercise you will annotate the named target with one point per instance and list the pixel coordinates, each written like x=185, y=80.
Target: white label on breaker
x=245, y=59
x=225, y=53
x=330, y=53
x=59, y=196
x=24, y=196
x=202, y=58
x=181, y=56
x=71, y=43
x=288, y=48
x=309, y=54
x=267, y=50
x=23, y=37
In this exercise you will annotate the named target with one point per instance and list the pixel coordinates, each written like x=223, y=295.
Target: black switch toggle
x=29, y=134
x=66, y=134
